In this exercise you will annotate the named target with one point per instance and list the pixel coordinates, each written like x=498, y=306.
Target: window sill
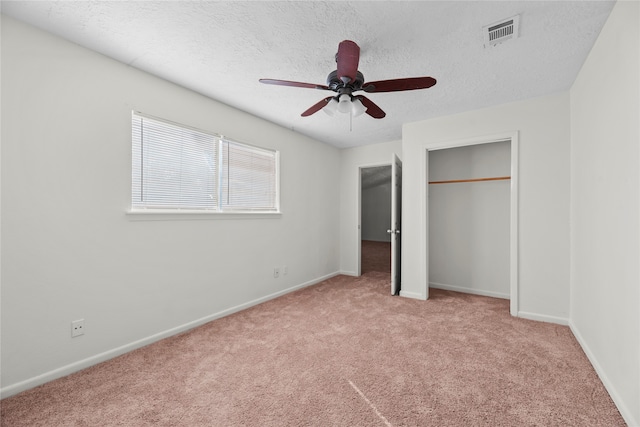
x=180, y=215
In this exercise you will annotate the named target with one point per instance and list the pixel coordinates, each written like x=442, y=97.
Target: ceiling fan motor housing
x=337, y=85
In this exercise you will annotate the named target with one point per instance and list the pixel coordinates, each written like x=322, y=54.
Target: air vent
x=499, y=32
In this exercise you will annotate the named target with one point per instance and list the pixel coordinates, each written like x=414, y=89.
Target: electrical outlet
x=77, y=328
x=285, y=270
x=276, y=272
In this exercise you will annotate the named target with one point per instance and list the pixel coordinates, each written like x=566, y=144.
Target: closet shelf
x=454, y=181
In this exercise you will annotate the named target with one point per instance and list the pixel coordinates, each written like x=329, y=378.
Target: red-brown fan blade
x=347, y=58
x=293, y=84
x=396, y=85
x=372, y=109
x=317, y=107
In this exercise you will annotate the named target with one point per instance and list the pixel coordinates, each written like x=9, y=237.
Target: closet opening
x=471, y=217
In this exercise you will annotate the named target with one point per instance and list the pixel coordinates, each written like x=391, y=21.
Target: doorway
x=375, y=218
x=380, y=209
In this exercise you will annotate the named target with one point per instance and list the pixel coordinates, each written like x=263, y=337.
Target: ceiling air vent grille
x=498, y=32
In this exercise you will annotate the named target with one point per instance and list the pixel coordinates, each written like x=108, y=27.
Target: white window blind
x=248, y=178
x=181, y=168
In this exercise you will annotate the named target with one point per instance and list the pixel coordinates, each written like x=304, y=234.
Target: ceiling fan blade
x=347, y=58
x=317, y=107
x=293, y=84
x=396, y=85
x=372, y=109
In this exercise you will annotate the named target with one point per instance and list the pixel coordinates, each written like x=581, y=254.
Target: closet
x=469, y=219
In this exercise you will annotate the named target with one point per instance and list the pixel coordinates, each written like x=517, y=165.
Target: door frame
x=513, y=138
x=359, y=213
x=395, y=229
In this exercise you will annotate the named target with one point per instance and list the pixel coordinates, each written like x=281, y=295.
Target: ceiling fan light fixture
x=357, y=109
x=331, y=107
x=344, y=106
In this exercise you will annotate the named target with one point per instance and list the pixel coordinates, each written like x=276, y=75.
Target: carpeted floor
x=375, y=256
x=340, y=353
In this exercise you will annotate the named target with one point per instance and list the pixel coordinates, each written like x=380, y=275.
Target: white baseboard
x=348, y=273
x=544, y=318
x=522, y=314
x=21, y=386
x=468, y=290
x=624, y=410
x=413, y=295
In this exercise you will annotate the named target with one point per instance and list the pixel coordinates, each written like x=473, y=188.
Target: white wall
x=469, y=222
x=376, y=212
x=350, y=161
x=605, y=213
x=543, y=126
x=71, y=252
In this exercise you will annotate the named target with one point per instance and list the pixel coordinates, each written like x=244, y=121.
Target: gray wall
x=69, y=249
x=543, y=172
x=351, y=160
x=605, y=208
x=469, y=222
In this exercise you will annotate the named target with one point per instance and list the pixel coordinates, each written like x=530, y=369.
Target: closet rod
x=497, y=178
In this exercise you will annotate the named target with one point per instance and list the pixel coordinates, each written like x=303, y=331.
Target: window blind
x=175, y=167
x=248, y=178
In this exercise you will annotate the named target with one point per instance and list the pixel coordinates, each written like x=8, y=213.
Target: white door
x=396, y=221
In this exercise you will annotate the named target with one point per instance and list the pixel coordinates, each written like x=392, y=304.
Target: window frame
x=180, y=213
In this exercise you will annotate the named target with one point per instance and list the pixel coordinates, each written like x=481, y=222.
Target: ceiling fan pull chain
x=350, y=121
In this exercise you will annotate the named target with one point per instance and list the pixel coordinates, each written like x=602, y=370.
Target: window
x=175, y=167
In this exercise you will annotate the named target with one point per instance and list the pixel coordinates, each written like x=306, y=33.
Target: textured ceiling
x=221, y=49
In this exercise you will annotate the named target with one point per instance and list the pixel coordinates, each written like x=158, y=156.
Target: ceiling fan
x=347, y=79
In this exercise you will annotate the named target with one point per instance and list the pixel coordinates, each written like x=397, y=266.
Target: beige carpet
x=340, y=353
x=375, y=256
